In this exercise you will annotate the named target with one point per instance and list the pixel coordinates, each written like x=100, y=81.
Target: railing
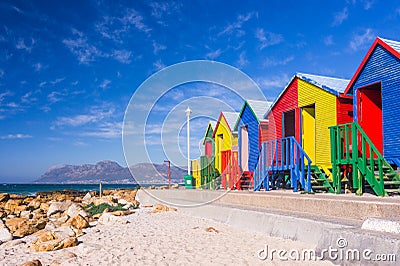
x=350, y=145
x=281, y=155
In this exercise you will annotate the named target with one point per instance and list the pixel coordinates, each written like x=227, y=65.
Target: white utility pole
x=188, y=112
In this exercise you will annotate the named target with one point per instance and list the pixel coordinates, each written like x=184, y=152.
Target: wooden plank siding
x=325, y=116
x=382, y=65
x=287, y=101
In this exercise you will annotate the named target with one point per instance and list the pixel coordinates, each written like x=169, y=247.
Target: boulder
x=20, y=227
x=162, y=208
x=32, y=263
x=4, y=197
x=44, y=206
x=12, y=204
x=107, y=199
x=121, y=213
x=55, y=244
x=87, y=199
x=174, y=186
x=57, y=207
x=74, y=209
x=35, y=204
x=26, y=215
x=79, y=222
x=109, y=219
x=5, y=234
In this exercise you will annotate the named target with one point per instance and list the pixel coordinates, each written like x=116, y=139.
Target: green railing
x=350, y=146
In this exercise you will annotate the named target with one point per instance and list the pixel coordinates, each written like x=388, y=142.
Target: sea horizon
x=30, y=189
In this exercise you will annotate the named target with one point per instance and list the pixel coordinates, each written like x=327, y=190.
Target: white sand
x=168, y=238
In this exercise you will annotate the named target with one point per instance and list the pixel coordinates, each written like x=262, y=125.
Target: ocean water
x=31, y=189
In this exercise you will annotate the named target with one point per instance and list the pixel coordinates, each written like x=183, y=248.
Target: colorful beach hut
x=207, y=161
x=300, y=119
x=226, y=151
x=375, y=87
x=252, y=131
x=372, y=142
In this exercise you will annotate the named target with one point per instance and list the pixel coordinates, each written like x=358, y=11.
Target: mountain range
x=112, y=173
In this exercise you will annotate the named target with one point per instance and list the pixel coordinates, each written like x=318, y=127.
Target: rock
x=4, y=197
x=87, y=199
x=109, y=219
x=5, y=234
x=32, y=263
x=35, y=204
x=79, y=222
x=162, y=208
x=107, y=199
x=174, y=186
x=55, y=244
x=121, y=213
x=21, y=227
x=76, y=209
x=212, y=230
x=26, y=215
x=57, y=207
x=44, y=206
x=123, y=201
x=97, y=216
x=12, y=204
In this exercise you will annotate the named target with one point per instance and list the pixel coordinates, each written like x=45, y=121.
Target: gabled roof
x=332, y=85
x=392, y=47
x=230, y=118
x=211, y=126
x=259, y=108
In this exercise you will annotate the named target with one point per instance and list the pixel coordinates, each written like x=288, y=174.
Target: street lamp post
x=169, y=173
x=188, y=112
x=188, y=178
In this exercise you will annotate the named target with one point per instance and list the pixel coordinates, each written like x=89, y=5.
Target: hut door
x=308, y=130
x=288, y=124
x=369, y=101
x=244, y=148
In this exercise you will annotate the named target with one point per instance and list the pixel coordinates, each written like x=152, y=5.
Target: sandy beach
x=165, y=238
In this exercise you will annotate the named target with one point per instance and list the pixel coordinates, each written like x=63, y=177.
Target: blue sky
x=68, y=69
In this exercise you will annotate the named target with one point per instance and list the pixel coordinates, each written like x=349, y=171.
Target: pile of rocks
x=56, y=220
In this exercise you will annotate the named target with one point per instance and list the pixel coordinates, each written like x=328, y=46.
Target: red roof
x=386, y=44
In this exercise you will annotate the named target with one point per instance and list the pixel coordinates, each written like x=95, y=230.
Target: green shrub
x=93, y=209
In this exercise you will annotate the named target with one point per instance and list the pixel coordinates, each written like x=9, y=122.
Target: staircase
x=350, y=146
x=321, y=179
x=245, y=181
x=279, y=159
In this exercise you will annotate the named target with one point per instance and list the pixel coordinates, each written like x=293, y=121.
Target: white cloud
x=55, y=96
x=38, y=67
x=328, y=40
x=4, y=95
x=242, y=62
x=21, y=45
x=28, y=97
x=116, y=27
x=122, y=56
x=267, y=38
x=158, y=47
x=159, y=9
x=236, y=27
x=339, y=17
x=16, y=136
x=213, y=54
x=107, y=130
x=276, y=81
x=268, y=62
x=1, y=73
x=105, y=84
x=359, y=41
x=80, y=47
x=158, y=65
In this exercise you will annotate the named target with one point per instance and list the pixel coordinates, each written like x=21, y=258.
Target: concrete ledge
x=310, y=225
x=330, y=205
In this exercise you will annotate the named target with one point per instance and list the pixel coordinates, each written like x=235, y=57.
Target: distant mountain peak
x=110, y=172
